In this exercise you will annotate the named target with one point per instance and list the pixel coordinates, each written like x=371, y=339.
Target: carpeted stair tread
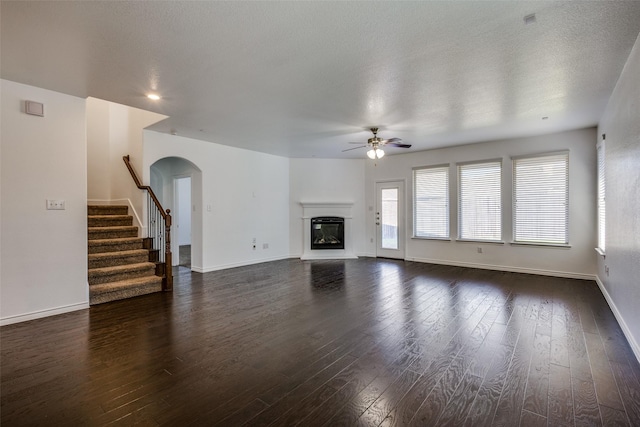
x=97, y=246
x=119, y=265
x=107, y=210
x=122, y=289
x=112, y=232
x=120, y=272
x=109, y=220
x=116, y=268
x=109, y=259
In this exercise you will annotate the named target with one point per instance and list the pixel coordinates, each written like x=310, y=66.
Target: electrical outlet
x=479, y=250
x=55, y=205
x=606, y=270
x=265, y=246
x=254, y=240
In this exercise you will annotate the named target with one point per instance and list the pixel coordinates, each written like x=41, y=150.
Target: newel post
x=168, y=282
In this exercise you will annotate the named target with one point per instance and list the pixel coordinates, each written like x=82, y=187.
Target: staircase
x=121, y=265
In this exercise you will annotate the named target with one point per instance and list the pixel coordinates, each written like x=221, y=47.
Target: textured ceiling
x=302, y=79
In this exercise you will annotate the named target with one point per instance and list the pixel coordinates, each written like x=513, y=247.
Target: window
x=541, y=199
x=431, y=202
x=389, y=219
x=601, y=198
x=480, y=201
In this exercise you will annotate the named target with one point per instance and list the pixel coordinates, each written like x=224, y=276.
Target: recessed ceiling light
x=153, y=96
x=530, y=19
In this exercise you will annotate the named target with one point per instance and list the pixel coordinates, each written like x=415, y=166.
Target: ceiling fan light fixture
x=374, y=144
x=376, y=153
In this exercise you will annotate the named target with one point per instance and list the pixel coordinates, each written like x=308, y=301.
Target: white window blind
x=480, y=201
x=541, y=199
x=431, y=202
x=601, y=197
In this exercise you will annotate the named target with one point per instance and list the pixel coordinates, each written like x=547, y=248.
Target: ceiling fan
x=375, y=144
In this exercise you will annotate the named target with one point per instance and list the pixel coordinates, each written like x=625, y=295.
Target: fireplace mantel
x=315, y=209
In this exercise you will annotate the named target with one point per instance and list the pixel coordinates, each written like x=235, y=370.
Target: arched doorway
x=177, y=183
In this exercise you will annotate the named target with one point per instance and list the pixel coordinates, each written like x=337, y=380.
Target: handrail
x=145, y=187
x=167, y=282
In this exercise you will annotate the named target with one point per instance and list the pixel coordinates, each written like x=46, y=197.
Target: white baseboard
x=539, y=272
x=43, y=313
x=326, y=257
x=623, y=325
x=367, y=255
x=236, y=264
x=355, y=256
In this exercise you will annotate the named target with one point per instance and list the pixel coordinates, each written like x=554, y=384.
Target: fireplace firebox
x=327, y=232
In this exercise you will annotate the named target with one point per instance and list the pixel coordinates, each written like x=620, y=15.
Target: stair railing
x=158, y=227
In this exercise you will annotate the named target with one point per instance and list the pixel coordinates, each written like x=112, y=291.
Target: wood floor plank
x=486, y=401
x=383, y=405
x=510, y=405
x=328, y=409
x=561, y=410
x=529, y=419
x=329, y=342
x=435, y=403
x=585, y=403
x=537, y=389
x=614, y=417
x=629, y=390
x=459, y=404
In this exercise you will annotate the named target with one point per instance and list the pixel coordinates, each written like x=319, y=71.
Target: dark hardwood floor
x=338, y=343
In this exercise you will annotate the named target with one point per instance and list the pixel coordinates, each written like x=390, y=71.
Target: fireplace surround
x=342, y=210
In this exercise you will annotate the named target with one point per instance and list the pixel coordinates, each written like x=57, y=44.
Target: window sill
x=440, y=239
x=494, y=242
x=542, y=245
x=601, y=253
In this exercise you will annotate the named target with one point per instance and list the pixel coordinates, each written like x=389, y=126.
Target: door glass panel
x=389, y=219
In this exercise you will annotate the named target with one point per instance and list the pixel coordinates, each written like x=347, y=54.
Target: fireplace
x=327, y=232
x=335, y=220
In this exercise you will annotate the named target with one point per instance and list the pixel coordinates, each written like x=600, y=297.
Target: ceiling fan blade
x=353, y=142
x=354, y=148
x=392, y=140
x=395, y=144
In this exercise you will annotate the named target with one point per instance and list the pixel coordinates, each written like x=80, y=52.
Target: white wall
x=324, y=180
x=248, y=196
x=577, y=261
x=621, y=124
x=113, y=131
x=98, y=150
x=183, y=210
x=44, y=252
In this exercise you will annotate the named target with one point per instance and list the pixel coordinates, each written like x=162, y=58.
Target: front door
x=390, y=219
